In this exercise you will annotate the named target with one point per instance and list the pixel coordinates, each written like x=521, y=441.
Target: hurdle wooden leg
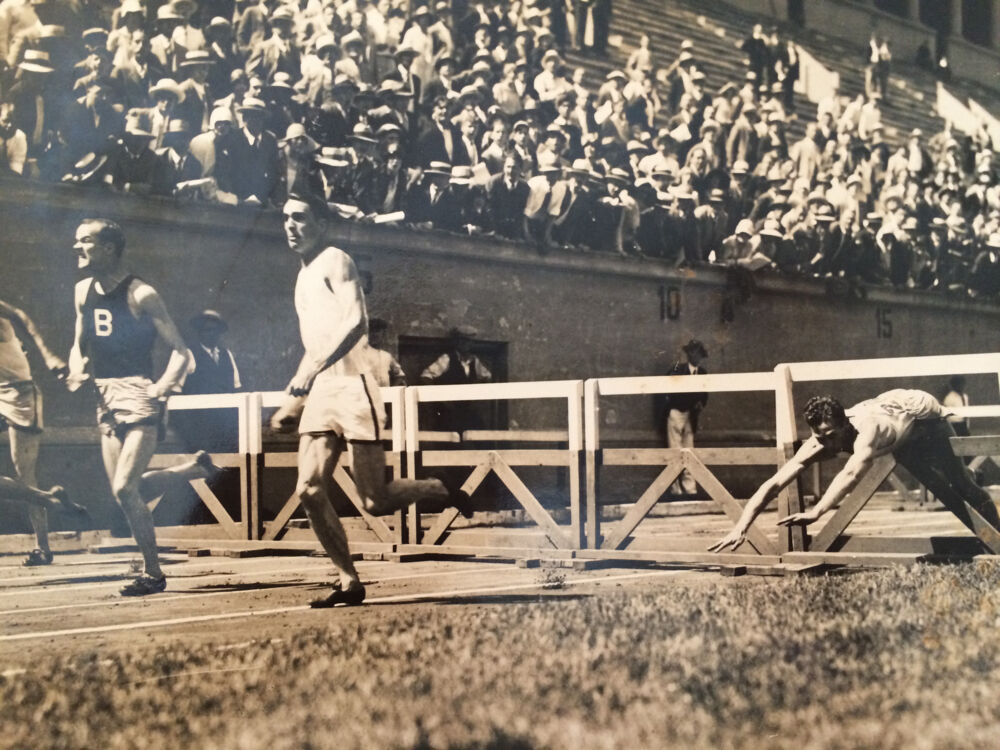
x=790, y=538
x=853, y=503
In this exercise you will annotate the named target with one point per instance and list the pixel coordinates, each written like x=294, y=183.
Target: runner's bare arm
x=847, y=479
x=25, y=328
x=77, y=362
x=149, y=301
x=348, y=321
x=812, y=450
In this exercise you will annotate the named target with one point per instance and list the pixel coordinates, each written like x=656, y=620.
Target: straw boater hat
x=297, y=130
x=196, y=57
x=36, y=61
x=772, y=229
x=363, y=134
x=461, y=175
x=166, y=86
x=252, y=105
x=438, y=168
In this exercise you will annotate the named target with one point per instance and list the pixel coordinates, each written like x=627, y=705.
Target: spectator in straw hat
x=133, y=75
x=132, y=163
x=300, y=174
x=424, y=198
x=165, y=94
x=279, y=52
x=255, y=160
x=508, y=196
x=176, y=164
x=38, y=110
x=224, y=55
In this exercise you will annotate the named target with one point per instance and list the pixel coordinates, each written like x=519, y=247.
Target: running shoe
x=351, y=597
x=37, y=557
x=144, y=585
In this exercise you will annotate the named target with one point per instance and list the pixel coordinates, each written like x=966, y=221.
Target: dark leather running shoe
x=351, y=597
x=144, y=585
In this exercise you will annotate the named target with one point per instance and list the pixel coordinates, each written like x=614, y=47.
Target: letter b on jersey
x=102, y=322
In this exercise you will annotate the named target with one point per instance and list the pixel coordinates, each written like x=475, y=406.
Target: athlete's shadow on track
x=234, y=587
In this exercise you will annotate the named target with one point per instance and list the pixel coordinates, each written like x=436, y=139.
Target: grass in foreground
x=905, y=658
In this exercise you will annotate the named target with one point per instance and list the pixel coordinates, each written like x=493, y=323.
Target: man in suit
x=683, y=409
x=255, y=158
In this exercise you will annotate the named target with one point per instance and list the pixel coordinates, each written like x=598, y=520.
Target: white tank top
x=890, y=416
x=13, y=362
x=319, y=310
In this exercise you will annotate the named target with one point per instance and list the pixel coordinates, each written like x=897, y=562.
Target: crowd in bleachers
x=464, y=115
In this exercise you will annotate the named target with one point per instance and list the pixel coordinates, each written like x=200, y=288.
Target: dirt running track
x=73, y=606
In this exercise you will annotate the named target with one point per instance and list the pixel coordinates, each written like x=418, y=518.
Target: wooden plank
x=851, y=505
x=576, y=510
x=859, y=559
x=621, y=531
x=484, y=551
x=979, y=445
x=529, y=502
x=895, y=367
x=959, y=546
x=592, y=513
x=279, y=522
x=524, y=457
x=652, y=384
x=519, y=436
x=222, y=460
x=988, y=535
x=446, y=517
x=232, y=529
x=681, y=557
x=898, y=485
x=281, y=460
x=376, y=524
x=709, y=456
x=730, y=506
x=790, y=501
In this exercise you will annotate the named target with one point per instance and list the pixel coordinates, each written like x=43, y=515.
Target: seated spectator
x=508, y=197
x=132, y=164
x=253, y=162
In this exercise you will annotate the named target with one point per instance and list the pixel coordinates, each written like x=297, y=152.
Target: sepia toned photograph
x=499, y=374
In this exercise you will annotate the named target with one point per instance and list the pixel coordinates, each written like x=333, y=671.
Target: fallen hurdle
x=830, y=543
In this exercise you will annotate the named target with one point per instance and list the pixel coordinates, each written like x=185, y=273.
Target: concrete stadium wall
x=561, y=316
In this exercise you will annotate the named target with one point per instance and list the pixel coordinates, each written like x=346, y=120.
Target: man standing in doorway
x=119, y=318
x=342, y=402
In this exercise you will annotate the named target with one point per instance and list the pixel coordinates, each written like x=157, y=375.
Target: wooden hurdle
x=581, y=453
x=500, y=461
x=241, y=528
x=616, y=542
x=831, y=543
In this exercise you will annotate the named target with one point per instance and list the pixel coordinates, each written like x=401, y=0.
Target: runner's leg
x=318, y=456
x=126, y=461
x=24, y=447
x=379, y=497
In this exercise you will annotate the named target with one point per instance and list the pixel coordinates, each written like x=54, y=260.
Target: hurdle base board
x=955, y=546
x=127, y=545
x=870, y=559
x=781, y=569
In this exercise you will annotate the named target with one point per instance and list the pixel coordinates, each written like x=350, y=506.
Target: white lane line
x=193, y=594
x=170, y=564
x=305, y=607
x=32, y=590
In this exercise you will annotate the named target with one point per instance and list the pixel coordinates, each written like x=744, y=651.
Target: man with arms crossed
x=909, y=424
x=343, y=403
x=118, y=320
x=21, y=410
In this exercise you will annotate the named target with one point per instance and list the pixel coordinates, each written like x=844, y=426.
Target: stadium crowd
x=464, y=115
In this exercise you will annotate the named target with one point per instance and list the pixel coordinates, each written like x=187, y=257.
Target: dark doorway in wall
x=417, y=352
x=936, y=14
x=896, y=7
x=797, y=12
x=977, y=21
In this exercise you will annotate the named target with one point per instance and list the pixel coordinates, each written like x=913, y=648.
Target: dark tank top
x=118, y=343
